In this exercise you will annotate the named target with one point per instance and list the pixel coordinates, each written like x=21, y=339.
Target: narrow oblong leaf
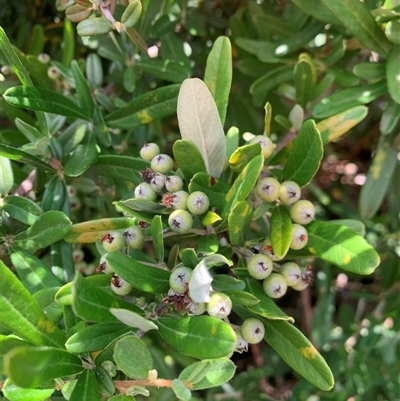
x=199, y=122
x=242, y=156
x=305, y=155
x=43, y=100
x=167, y=70
x=304, y=80
x=188, y=158
x=239, y=220
x=84, y=95
x=22, y=209
x=23, y=157
x=86, y=387
x=132, y=319
x=392, y=73
x=158, y=239
x=281, y=230
x=6, y=176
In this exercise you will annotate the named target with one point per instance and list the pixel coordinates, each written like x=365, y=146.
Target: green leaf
x=94, y=70
x=270, y=80
x=182, y=393
x=390, y=118
x=30, y=132
x=392, y=31
x=104, y=381
x=93, y=304
x=378, y=179
x=167, y=70
x=392, y=73
x=133, y=357
x=23, y=157
x=355, y=225
x=208, y=244
x=369, y=71
x=357, y=18
x=7, y=343
x=40, y=99
x=218, y=74
x=49, y=228
x=281, y=230
x=62, y=262
x=144, y=205
x=232, y=141
x=22, y=209
x=30, y=367
x=200, y=337
x=239, y=220
x=86, y=387
x=158, y=103
x=145, y=278
x=345, y=99
x=55, y=194
x=342, y=247
x=95, y=337
x=242, y=298
x=68, y=42
x=124, y=167
x=304, y=79
x=132, y=319
x=334, y=127
x=243, y=184
x=6, y=176
x=33, y=273
x=200, y=123
x=45, y=299
x=208, y=373
x=241, y=157
x=266, y=307
x=157, y=236
x=305, y=155
x=84, y=95
x=15, y=393
x=222, y=283
x=188, y=158
x=215, y=189
x=316, y=10
x=84, y=156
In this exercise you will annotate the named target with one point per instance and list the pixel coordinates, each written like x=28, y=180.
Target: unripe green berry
x=180, y=221
x=145, y=191
x=120, y=286
x=134, y=237
x=253, y=330
x=290, y=192
x=113, y=241
x=198, y=202
x=299, y=237
x=74, y=203
x=53, y=73
x=103, y=266
x=158, y=182
x=149, y=151
x=275, y=285
x=266, y=249
x=306, y=279
x=43, y=58
x=302, y=212
x=259, y=266
x=241, y=344
x=71, y=191
x=179, y=279
x=162, y=163
x=179, y=201
x=292, y=273
x=301, y=285
x=6, y=70
x=220, y=305
x=196, y=308
x=268, y=189
x=267, y=146
x=77, y=255
x=173, y=183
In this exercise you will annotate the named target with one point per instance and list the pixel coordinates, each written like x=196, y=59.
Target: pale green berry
x=259, y=266
x=266, y=249
x=120, y=286
x=158, y=182
x=71, y=191
x=267, y=146
x=74, y=203
x=180, y=221
x=6, y=70
x=306, y=279
x=173, y=183
x=104, y=266
x=299, y=237
x=149, y=151
x=113, y=241
x=241, y=344
x=292, y=273
x=196, y=308
x=290, y=192
x=302, y=212
x=53, y=73
x=198, y=202
x=275, y=285
x=301, y=285
x=253, y=330
x=162, y=163
x=134, y=237
x=80, y=266
x=145, y=191
x=179, y=279
x=268, y=189
x=179, y=201
x=219, y=306
x=77, y=255
x=43, y=58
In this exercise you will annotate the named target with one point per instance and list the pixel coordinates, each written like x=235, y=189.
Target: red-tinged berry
x=299, y=237
x=113, y=241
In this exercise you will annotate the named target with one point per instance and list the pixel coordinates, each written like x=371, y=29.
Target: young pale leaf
x=208, y=373
x=342, y=247
x=281, y=230
x=305, y=155
x=200, y=123
x=86, y=387
x=145, y=278
x=23, y=157
x=378, y=178
x=241, y=157
x=133, y=319
x=22, y=209
x=200, y=337
x=49, y=228
x=133, y=357
x=392, y=73
x=243, y=184
x=239, y=220
x=188, y=158
x=157, y=236
x=29, y=367
x=334, y=127
x=40, y=99
x=232, y=141
x=95, y=337
x=218, y=74
x=6, y=176
x=15, y=393
x=93, y=304
x=200, y=283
